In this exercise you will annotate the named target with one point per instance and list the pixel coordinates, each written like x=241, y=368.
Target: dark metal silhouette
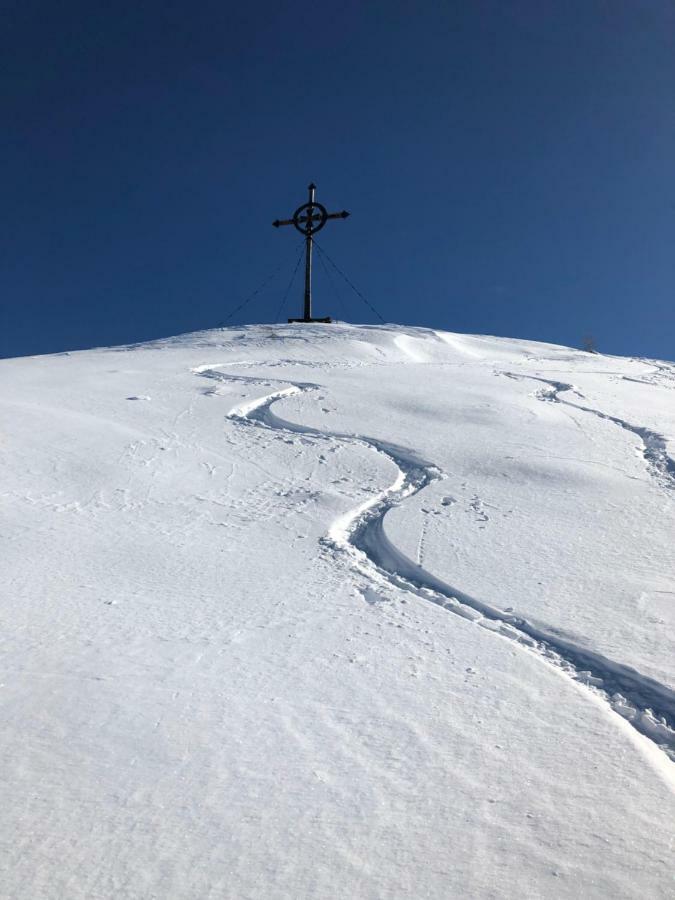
x=308, y=219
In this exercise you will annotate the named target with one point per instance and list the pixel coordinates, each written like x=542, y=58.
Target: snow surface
x=337, y=611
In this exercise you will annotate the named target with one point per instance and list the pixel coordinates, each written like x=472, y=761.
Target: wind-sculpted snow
x=645, y=703
x=229, y=667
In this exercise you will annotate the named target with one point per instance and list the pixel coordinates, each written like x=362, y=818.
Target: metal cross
x=308, y=219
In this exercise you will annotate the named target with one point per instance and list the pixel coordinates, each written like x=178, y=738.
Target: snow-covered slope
x=337, y=611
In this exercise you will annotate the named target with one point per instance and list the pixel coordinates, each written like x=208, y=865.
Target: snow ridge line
x=654, y=445
x=643, y=702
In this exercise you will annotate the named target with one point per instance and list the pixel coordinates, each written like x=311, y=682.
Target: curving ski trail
x=654, y=445
x=643, y=702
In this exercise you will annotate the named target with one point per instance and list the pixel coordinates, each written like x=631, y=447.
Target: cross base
x=326, y=319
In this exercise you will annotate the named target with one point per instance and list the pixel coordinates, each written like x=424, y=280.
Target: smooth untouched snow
x=374, y=612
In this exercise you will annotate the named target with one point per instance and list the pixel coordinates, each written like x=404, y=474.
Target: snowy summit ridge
x=317, y=611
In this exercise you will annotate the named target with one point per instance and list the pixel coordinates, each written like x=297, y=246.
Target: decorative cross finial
x=308, y=219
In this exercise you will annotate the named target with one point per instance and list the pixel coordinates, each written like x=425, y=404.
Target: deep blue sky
x=509, y=166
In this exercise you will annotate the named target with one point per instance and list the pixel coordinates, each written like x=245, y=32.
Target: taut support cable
x=351, y=285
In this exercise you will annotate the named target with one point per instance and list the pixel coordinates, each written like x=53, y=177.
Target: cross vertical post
x=308, y=258
x=308, y=219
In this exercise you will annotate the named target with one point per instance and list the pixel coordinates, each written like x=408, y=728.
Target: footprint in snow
x=476, y=505
x=372, y=597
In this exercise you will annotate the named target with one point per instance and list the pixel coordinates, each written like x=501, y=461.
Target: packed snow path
x=228, y=668
x=654, y=445
x=648, y=705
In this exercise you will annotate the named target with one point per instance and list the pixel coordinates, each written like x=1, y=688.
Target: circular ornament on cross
x=310, y=217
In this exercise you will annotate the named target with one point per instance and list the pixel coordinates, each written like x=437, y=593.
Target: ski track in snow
x=645, y=703
x=654, y=446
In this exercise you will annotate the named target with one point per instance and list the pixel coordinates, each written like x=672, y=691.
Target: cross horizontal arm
x=310, y=218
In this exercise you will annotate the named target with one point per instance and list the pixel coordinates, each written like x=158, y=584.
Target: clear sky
x=509, y=166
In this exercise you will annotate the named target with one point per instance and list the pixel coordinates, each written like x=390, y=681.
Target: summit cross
x=308, y=219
